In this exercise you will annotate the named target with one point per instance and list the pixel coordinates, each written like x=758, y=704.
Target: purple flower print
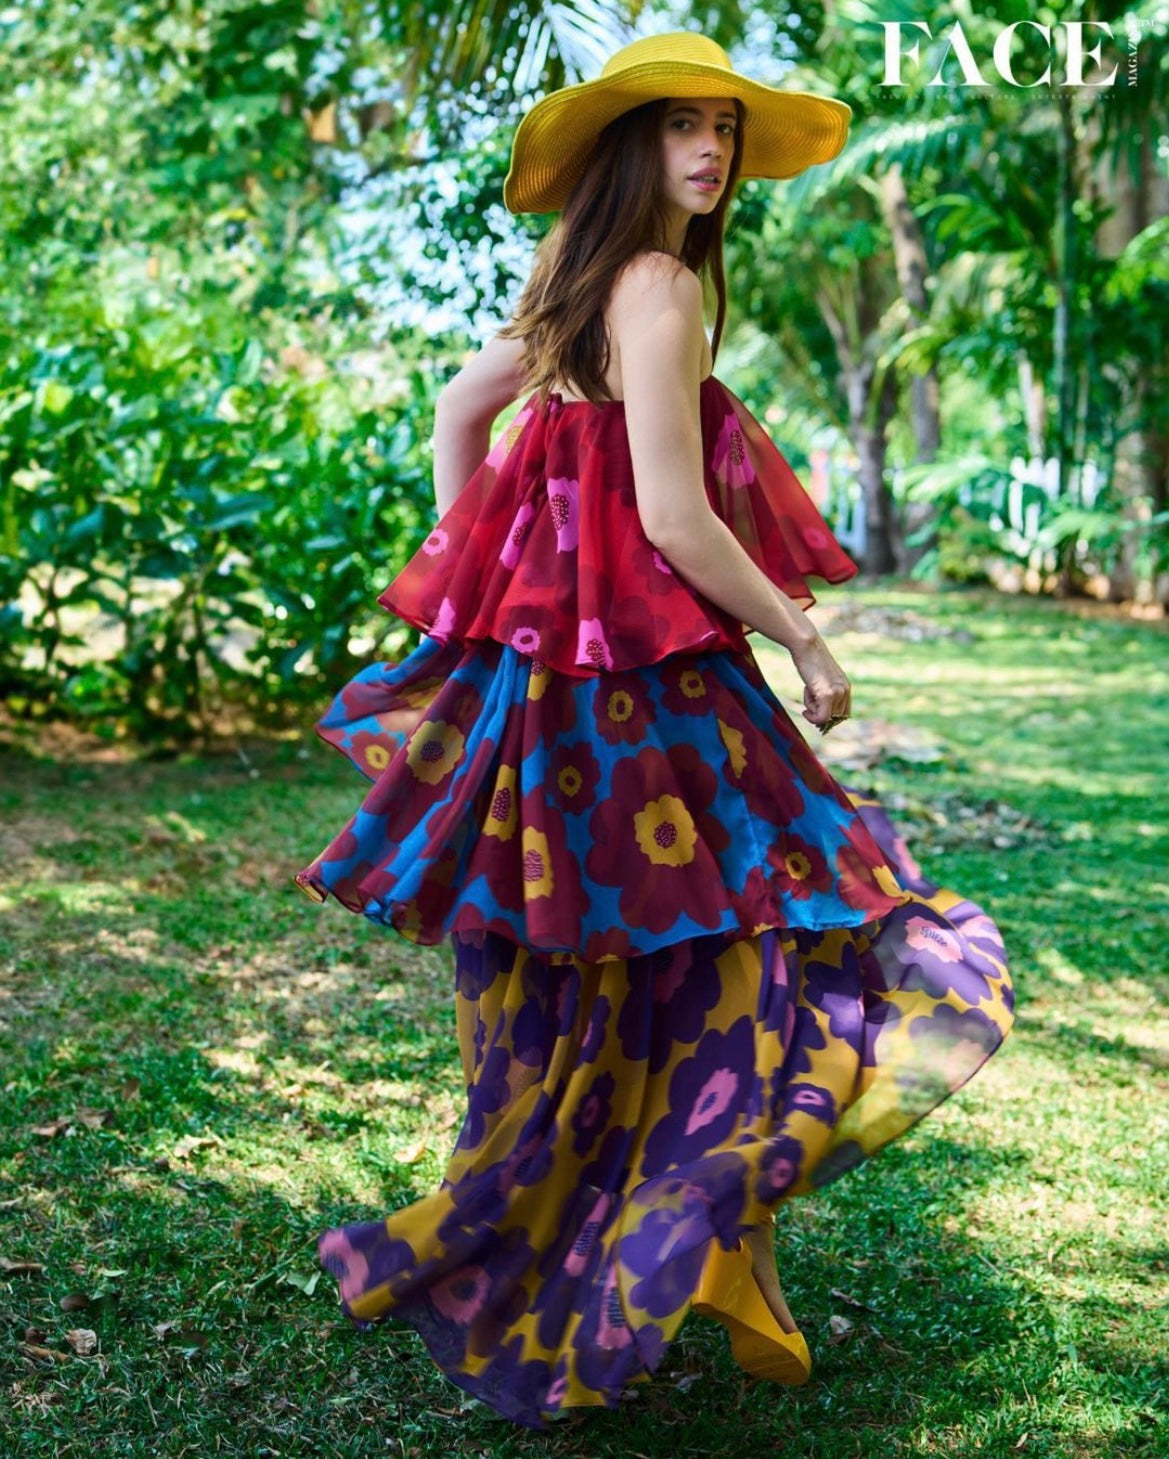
x=778, y=1169
x=811, y=1099
x=548, y=1010
x=667, y=1247
x=568, y=1266
x=489, y=1094
x=610, y=1168
x=362, y=1257
x=707, y=1095
x=921, y=950
x=462, y=1295
x=595, y=1033
x=477, y=967
x=668, y=1000
x=592, y=1114
x=564, y=502
x=954, y=1043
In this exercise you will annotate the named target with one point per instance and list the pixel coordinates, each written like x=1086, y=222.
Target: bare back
x=613, y=377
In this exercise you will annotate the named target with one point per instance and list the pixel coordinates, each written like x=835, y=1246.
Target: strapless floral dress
x=694, y=976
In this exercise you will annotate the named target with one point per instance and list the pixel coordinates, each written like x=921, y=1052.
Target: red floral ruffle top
x=544, y=548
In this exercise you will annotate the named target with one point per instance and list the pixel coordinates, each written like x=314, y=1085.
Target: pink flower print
x=612, y=1328
x=925, y=936
x=516, y=535
x=577, y=1258
x=592, y=645
x=341, y=1257
x=525, y=640
x=438, y=541
x=714, y=1097
x=816, y=537
x=462, y=1295
x=732, y=465
x=564, y=501
x=502, y=448
x=661, y=564
x=444, y=620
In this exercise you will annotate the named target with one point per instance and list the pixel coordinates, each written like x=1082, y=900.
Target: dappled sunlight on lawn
x=220, y=1070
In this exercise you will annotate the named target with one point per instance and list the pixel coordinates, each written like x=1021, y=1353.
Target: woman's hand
x=827, y=692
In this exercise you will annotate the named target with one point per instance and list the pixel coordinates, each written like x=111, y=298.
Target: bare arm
x=464, y=413
x=657, y=318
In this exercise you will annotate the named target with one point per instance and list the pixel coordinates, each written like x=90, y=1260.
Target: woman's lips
x=704, y=185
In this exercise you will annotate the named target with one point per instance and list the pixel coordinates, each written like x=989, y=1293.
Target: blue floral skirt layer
x=694, y=976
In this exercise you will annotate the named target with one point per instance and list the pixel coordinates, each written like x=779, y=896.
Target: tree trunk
x=869, y=419
x=912, y=270
x=1141, y=465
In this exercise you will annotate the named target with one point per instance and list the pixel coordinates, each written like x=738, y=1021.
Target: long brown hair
x=613, y=213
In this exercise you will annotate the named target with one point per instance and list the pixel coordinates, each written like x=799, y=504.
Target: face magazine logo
x=1079, y=58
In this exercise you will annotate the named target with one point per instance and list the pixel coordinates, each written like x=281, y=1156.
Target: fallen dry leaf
x=95, y=1119
x=74, y=1302
x=851, y=1301
x=189, y=1336
x=840, y=1328
x=83, y=1341
x=190, y=1143
x=20, y=1268
x=45, y=1355
x=130, y=1090
x=47, y=1132
x=412, y=1153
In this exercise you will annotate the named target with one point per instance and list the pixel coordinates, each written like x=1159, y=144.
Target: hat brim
x=786, y=131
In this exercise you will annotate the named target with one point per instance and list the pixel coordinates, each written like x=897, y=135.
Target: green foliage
x=217, y=520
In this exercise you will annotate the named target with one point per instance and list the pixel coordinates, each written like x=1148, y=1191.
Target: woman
x=695, y=976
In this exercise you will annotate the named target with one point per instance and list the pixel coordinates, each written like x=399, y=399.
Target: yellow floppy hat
x=785, y=131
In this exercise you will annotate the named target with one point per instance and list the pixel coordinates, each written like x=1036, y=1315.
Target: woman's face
x=698, y=142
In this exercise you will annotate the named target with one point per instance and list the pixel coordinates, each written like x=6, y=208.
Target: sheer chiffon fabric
x=693, y=975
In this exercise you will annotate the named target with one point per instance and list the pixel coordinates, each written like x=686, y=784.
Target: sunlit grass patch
x=220, y=1069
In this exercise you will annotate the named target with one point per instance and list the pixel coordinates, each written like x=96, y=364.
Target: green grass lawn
x=201, y=1070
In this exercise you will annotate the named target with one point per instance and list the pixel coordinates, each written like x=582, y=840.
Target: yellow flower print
x=736, y=749
x=408, y=920
x=665, y=831
x=537, y=864
x=619, y=706
x=692, y=684
x=503, y=815
x=797, y=865
x=434, y=749
x=377, y=757
x=538, y=679
x=569, y=781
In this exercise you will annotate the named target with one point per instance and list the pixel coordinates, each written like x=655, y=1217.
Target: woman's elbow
x=680, y=533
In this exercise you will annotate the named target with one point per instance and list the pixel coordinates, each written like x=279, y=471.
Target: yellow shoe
x=728, y=1292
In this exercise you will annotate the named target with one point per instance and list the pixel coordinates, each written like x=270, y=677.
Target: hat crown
x=678, y=46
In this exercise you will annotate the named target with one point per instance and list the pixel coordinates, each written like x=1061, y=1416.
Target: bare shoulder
x=653, y=281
